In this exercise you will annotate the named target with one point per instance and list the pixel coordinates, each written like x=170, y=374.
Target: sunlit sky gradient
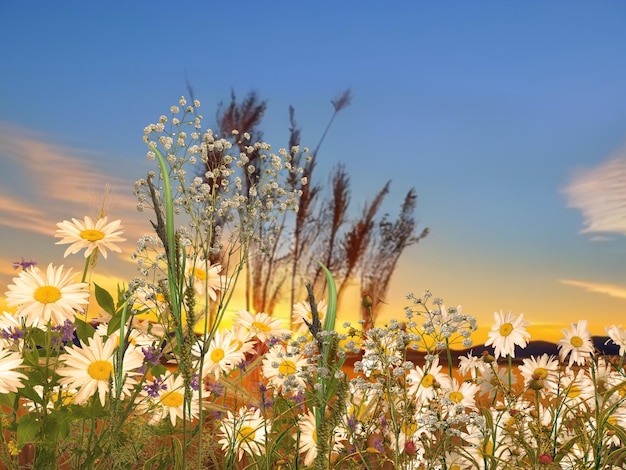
x=509, y=118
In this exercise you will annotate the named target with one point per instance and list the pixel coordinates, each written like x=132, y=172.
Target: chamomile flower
x=576, y=343
x=461, y=396
x=222, y=355
x=283, y=368
x=89, y=368
x=51, y=296
x=302, y=312
x=243, y=339
x=509, y=331
x=576, y=389
x=491, y=382
x=206, y=278
x=544, y=367
x=423, y=382
x=471, y=364
x=166, y=398
x=618, y=336
x=306, y=437
x=10, y=378
x=98, y=235
x=243, y=432
x=262, y=325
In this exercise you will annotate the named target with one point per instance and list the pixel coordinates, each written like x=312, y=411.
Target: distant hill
x=534, y=348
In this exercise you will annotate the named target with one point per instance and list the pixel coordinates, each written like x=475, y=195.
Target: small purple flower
x=13, y=332
x=215, y=388
x=23, y=263
x=378, y=444
x=152, y=355
x=352, y=422
x=67, y=331
x=195, y=383
x=155, y=387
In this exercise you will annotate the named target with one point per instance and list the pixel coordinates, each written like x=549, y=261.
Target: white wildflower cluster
x=441, y=326
x=231, y=189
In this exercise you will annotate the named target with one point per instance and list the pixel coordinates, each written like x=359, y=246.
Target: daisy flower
x=243, y=339
x=50, y=296
x=463, y=395
x=206, y=278
x=283, y=368
x=262, y=325
x=508, y=332
x=166, y=398
x=491, y=383
x=618, y=336
x=89, y=368
x=137, y=337
x=306, y=437
x=100, y=236
x=423, y=382
x=544, y=367
x=576, y=389
x=10, y=378
x=576, y=343
x=243, y=432
x=302, y=312
x=222, y=356
x=471, y=363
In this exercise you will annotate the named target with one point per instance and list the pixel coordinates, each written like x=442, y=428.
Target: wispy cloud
x=63, y=182
x=612, y=290
x=600, y=194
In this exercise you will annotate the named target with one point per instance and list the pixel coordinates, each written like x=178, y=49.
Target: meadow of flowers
x=149, y=376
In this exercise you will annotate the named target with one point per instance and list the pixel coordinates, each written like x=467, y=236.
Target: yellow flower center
x=409, y=428
x=172, y=399
x=246, y=434
x=576, y=341
x=217, y=355
x=287, y=367
x=456, y=397
x=91, y=235
x=506, y=329
x=100, y=370
x=199, y=274
x=237, y=343
x=47, y=294
x=573, y=391
x=314, y=436
x=260, y=326
x=428, y=380
x=486, y=447
x=160, y=298
x=541, y=372
x=612, y=420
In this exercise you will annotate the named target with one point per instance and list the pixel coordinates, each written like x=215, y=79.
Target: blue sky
x=509, y=118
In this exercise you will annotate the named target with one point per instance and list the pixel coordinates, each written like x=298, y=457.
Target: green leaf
x=84, y=330
x=331, y=309
x=27, y=428
x=105, y=300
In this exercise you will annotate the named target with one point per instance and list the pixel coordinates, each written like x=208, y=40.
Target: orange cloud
x=600, y=194
x=607, y=289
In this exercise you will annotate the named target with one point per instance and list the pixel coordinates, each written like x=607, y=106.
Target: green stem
x=86, y=268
